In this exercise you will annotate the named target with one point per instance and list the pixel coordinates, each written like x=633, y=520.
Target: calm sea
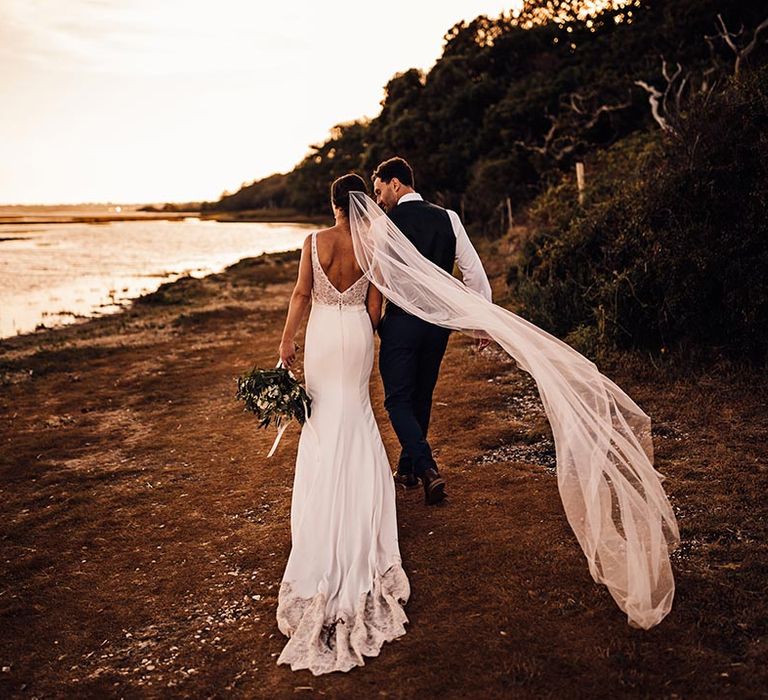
x=53, y=274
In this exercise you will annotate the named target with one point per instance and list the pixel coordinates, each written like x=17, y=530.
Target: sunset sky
x=171, y=100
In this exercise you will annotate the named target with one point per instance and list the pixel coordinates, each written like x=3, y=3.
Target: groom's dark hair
x=394, y=167
x=341, y=187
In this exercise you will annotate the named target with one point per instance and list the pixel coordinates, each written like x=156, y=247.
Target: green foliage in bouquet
x=273, y=395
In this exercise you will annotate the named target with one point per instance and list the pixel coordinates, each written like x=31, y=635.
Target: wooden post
x=509, y=213
x=580, y=181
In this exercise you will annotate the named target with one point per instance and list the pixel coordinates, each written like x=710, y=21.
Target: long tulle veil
x=612, y=495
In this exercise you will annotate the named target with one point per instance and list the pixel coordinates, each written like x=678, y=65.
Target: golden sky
x=177, y=100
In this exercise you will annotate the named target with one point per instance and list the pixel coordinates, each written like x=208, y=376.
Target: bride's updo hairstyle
x=341, y=188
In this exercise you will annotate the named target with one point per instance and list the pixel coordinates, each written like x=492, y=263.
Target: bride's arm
x=374, y=303
x=300, y=299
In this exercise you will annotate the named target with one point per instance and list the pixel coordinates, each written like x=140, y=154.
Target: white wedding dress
x=344, y=587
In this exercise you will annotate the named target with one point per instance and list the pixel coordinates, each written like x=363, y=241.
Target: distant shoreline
x=168, y=298
x=223, y=217
x=266, y=216
x=100, y=286
x=94, y=218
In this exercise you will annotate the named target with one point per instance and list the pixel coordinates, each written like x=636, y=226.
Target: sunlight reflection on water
x=53, y=274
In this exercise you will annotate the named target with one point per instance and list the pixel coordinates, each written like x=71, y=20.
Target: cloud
x=146, y=37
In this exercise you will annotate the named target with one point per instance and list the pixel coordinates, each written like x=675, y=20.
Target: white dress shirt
x=467, y=259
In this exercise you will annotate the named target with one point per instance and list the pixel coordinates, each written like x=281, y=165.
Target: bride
x=343, y=589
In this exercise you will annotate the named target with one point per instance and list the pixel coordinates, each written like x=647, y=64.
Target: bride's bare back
x=337, y=257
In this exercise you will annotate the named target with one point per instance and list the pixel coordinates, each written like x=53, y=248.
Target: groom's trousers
x=409, y=362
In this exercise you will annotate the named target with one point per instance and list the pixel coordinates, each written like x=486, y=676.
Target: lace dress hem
x=323, y=645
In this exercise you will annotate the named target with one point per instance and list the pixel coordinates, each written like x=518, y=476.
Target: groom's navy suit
x=411, y=349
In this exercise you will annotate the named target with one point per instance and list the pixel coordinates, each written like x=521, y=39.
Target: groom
x=411, y=349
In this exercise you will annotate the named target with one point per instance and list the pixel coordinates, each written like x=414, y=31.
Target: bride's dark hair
x=341, y=187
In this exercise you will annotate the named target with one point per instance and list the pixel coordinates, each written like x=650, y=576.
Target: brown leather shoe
x=407, y=481
x=434, y=487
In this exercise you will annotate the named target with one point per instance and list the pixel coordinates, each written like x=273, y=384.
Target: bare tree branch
x=577, y=103
x=705, y=79
x=670, y=82
x=654, y=97
x=679, y=94
x=731, y=40
x=556, y=147
x=727, y=36
x=562, y=137
x=750, y=47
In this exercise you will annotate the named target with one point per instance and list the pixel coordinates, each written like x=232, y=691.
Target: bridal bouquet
x=273, y=395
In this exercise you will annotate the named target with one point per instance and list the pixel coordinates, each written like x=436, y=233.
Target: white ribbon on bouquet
x=280, y=425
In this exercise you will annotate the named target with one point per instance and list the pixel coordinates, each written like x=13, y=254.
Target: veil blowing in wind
x=611, y=493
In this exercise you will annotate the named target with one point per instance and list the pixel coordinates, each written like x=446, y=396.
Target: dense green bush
x=670, y=251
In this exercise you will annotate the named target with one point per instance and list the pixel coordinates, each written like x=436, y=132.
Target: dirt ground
x=145, y=533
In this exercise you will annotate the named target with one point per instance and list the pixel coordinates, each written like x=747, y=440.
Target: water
x=53, y=274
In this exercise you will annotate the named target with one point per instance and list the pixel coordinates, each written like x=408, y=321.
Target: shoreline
x=223, y=217
x=165, y=291
x=48, y=219
x=105, y=294
x=291, y=216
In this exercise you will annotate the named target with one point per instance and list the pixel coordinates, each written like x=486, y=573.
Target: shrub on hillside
x=670, y=251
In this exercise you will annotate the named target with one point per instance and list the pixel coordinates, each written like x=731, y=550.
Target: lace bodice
x=323, y=292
